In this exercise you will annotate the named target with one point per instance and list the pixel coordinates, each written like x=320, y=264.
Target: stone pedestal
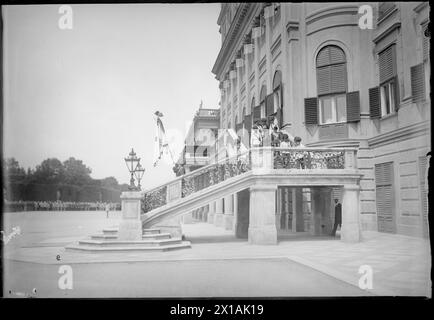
x=130, y=227
x=211, y=212
x=218, y=215
x=228, y=218
x=350, y=231
x=262, y=223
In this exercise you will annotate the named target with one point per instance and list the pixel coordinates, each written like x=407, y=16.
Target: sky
x=90, y=92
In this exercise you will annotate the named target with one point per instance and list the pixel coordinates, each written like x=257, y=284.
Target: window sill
x=390, y=115
x=334, y=124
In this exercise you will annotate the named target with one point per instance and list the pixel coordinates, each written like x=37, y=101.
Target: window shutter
x=397, y=98
x=423, y=193
x=387, y=63
x=256, y=113
x=353, y=106
x=281, y=97
x=311, y=111
x=323, y=80
x=248, y=122
x=384, y=196
x=338, y=79
x=425, y=45
x=417, y=83
x=269, y=104
x=336, y=55
x=374, y=103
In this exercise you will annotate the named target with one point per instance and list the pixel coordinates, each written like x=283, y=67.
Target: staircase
x=107, y=241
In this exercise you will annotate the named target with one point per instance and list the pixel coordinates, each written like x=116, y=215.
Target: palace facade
x=335, y=85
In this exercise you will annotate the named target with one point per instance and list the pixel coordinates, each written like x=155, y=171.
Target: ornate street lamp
x=132, y=161
x=139, y=172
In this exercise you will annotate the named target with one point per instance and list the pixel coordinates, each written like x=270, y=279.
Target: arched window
x=277, y=90
x=262, y=96
x=331, y=77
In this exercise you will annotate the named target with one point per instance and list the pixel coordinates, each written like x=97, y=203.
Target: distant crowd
x=59, y=206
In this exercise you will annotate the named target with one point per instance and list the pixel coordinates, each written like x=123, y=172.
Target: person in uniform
x=338, y=217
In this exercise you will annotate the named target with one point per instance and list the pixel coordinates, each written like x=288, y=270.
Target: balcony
x=297, y=166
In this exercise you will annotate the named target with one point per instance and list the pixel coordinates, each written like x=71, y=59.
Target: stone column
x=211, y=212
x=350, y=231
x=218, y=215
x=268, y=13
x=228, y=218
x=248, y=49
x=256, y=33
x=297, y=210
x=130, y=227
x=280, y=197
x=262, y=224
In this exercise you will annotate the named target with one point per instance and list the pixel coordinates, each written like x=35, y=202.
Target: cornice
x=236, y=31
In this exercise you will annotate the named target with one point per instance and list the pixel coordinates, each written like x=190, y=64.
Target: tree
x=50, y=171
x=76, y=173
x=12, y=170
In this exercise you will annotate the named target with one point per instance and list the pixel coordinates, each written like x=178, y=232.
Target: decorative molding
x=409, y=132
x=421, y=6
x=239, y=63
x=248, y=48
x=386, y=32
x=276, y=45
x=292, y=30
x=262, y=64
x=331, y=11
x=256, y=32
x=243, y=16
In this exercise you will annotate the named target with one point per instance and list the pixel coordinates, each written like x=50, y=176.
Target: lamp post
x=132, y=162
x=139, y=172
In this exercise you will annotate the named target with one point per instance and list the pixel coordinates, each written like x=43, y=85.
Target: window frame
x=391, y=83
x=334, y=108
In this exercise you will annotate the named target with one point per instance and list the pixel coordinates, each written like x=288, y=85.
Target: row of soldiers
x=59, y=206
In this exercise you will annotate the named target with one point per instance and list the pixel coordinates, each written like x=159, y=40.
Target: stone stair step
x=156, y=236
x=104, y=236
x=129, y=243
x=93, y=249
x=110, y=231
x=151, y=231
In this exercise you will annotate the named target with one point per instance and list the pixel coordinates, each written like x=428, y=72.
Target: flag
x=160, y=143
x=161, y=146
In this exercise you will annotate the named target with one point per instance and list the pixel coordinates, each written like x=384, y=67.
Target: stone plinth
x=130, y=227
x=262, y=224
x=350, y=231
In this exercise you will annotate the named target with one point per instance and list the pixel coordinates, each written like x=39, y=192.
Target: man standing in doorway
x=338, y=217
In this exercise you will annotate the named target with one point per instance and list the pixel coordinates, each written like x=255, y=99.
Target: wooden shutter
x=338, y=78
x=323, y=80
x=311, y=111
x=417, y=83
x=385, y=197
x=397, y=96
x=269, y=104
x=387, y=63
x=248, y=122
x=256, y=113
x=425, y=44
x=374, y=103
x=281, y=96
x=423, y=194
x=353, y=106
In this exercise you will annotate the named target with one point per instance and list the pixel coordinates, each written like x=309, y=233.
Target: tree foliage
x=70, y=180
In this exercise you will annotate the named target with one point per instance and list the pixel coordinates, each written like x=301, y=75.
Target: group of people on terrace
x=271, y=135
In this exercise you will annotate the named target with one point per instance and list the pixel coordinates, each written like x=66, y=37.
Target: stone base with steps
x=107, y=241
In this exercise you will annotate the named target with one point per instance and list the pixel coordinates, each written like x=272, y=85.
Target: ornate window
x=331, y=75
